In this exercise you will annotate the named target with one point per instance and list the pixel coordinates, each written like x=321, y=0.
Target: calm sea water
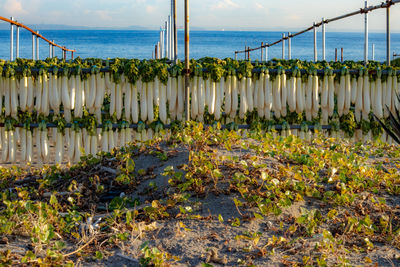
x=221, y=44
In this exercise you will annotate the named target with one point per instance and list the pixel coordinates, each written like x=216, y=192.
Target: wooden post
x=187, y=66
x=335, y=54
x=388, y=33
x=341, y=55
x=155, y=52
x=315, y=44
x=72, y=54
x=248, y=53
x=366, y=36
x=17, y=44
x=262, y=51
x=283, y=46
x=12, y=40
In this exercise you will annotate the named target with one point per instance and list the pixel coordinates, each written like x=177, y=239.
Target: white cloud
x=14, y=7
x=224, y=4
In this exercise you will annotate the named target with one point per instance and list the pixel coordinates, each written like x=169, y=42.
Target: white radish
x=128, y=100
x=135, y=105
x=243, y=98
x=118, y=100
x=249, y=94
x=235, y=102
x=150, y=108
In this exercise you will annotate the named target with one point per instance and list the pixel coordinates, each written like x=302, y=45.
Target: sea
x=220, y=44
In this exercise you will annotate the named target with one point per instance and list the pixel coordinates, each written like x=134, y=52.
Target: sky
x=276, y=15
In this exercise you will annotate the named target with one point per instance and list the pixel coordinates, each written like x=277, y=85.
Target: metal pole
x=37, y=47
x=323, y=39
x=283, y=46
x=160, y=43
x=17, y=44
x=168, y=43
x=54, y=50
x=366, y=36
x=388, y=34
x=373, y=52
x=187, y=67
x=175, y=33
x=12, y=41
x=289, y=47
x=266, y=52
x=50, y=50
x=315, y=44
x=33, y=46
x=262, y=51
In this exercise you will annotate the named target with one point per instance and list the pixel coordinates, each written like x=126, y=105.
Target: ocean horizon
x=221, y=44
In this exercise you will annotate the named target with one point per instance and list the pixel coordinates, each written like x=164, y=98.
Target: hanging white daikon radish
x=395, y=92
x=118, y=100
x=268, y=96
x=79, y=101
x=150, y=109
x=127, y=100
x=65, y=96
x=5, y=143
x=208, y=93
x=213, y=97
x=243, y=98
x=29, y=146
x=23, y=144
x=194, y=103
x=104, y=141
x=235, y=97
x=341, y=93
x=12, y=149
x=135, y=105
x=377, y=101
x=13, y=97
x=359, y=98
x=71, y=146
x=143, y=101
x=284, y=94
x=347, y=88
x=218, y=101
x=276, y=92
x=292, y=92
x=249, y=94
x=315, y=109
x=300, y=103
x=325, y=90
x=7, y=96
x=181, y=94
x=228, y=95
x=353, y=90
x=23, y=97
x=169, y=88
x=366, y=97
x=78, y=146
x=174, y=96
x=59, y=147
x=388, y=95
x=163, y=103
x=100, y=90
x=260, y=97
x=201, y=95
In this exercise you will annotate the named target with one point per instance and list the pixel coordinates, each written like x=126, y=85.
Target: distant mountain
x=6, y=26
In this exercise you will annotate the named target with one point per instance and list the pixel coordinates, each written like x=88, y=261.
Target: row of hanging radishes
x=232, y=96
x=35, y=146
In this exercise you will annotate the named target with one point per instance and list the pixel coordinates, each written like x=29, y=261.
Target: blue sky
x=212, y=14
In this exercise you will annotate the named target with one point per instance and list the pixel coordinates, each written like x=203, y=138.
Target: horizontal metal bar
x=35, y=33
x=361, y=11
